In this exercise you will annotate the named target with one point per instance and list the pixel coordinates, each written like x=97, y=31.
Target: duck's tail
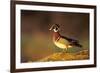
x=77, y=45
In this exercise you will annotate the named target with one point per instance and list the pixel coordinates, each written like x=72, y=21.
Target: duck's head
x=55, y=27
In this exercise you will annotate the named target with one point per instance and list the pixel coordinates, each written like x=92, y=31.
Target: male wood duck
x=62, y=41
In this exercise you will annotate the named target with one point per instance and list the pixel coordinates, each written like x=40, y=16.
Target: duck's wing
x=72, y=41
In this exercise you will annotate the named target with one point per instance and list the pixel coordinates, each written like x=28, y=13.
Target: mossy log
x=62, y=56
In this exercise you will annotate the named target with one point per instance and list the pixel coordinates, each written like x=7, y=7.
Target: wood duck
x=62, y=41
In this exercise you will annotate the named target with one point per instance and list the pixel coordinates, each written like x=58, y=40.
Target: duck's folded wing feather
x=70, y=39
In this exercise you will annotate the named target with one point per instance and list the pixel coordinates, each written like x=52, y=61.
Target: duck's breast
x=61, y=43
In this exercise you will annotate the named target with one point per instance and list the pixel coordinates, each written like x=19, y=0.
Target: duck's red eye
x=56, y=28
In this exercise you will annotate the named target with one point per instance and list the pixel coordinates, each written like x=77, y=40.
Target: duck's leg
x=68, y=46
x=65, y=50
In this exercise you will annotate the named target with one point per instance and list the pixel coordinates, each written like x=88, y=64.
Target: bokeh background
x=36, y=39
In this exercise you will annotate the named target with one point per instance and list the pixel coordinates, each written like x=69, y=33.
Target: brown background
x=36, y=39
